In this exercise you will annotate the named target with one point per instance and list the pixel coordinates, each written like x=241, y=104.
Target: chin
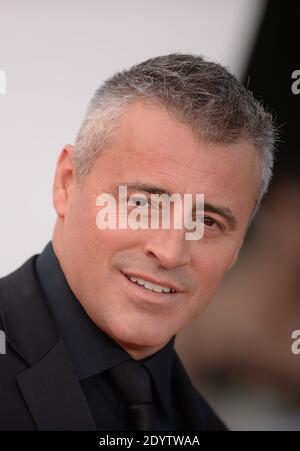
x=139, y=336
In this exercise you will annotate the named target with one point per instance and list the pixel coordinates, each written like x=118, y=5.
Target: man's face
x=150, y=147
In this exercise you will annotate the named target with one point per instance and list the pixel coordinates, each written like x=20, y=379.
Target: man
x=90, y=323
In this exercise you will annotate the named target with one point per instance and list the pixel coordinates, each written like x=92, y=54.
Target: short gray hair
x=202, y=94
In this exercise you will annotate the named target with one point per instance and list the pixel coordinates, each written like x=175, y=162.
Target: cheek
x=111, y=241
x=102, y=249
x=211, y=265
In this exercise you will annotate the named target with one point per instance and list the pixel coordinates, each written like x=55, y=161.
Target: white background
x=55, y=54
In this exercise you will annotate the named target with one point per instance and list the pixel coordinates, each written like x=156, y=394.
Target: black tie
x=134, y=383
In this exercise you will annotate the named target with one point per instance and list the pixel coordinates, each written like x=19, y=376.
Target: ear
x=64, y=181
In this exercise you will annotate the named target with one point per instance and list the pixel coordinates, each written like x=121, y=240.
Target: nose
x=169, y=247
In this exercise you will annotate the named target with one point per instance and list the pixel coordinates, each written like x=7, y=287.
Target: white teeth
x=140, y=281
x=151, y=286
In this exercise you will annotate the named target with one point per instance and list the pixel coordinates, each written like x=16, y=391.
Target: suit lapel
x=49, y=386
x=192, y=415
x=53, y=393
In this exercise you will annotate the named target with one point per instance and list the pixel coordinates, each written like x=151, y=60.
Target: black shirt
x=92, y=353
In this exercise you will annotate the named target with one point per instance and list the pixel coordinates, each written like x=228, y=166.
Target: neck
x=140, y=352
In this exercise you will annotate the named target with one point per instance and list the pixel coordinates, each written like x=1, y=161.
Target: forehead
x=151, y=145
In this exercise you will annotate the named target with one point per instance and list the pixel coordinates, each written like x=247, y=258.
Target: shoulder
x=29, y=335
x=13, y=410
x=16, y=291
x=15, y=288
x=24, y=314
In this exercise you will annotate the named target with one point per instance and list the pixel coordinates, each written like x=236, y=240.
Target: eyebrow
x=225, y=212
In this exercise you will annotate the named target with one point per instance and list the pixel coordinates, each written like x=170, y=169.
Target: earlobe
x=63, y=181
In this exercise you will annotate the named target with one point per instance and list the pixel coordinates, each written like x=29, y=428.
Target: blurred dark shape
x=244, y=337
x=269, y=76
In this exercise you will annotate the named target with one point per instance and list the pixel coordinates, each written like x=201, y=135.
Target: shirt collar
x=90, y=349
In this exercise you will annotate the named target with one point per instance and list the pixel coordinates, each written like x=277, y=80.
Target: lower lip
x=149, y=296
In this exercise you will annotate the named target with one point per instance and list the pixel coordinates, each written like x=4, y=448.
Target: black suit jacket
x=38, y=386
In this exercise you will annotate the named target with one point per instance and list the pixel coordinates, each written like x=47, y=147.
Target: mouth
x=149, y=290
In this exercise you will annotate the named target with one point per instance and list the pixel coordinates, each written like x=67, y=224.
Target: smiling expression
x=142, y=286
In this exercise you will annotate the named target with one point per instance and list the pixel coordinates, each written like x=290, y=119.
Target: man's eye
x=210, y=222
x=137, y=202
